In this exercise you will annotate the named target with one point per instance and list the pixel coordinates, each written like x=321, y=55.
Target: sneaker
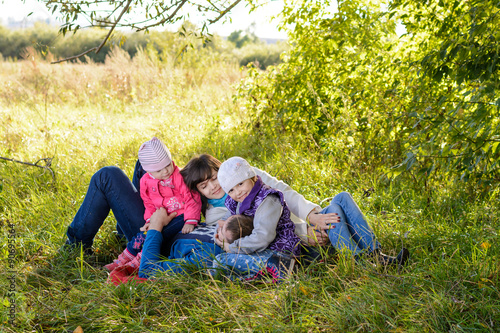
x=400, y=259
x=136, y=262
x=280, y=267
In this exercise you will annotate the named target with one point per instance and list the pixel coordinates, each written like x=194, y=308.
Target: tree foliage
x=139, y=15
x=424, y=100
x=454, y=103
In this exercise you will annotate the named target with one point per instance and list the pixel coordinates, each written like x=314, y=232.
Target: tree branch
x=75, y=57
x=98, y=48
x=72, y=9
x=114, y=25
x=224, y=12
x=47, y=160
x=165, y=19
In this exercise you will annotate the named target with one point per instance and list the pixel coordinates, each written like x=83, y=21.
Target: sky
x=241, y=19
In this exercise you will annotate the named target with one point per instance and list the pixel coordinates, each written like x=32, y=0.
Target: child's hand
x=187, y=228
x=145, y=227
x=316, y=236
x=221, y=242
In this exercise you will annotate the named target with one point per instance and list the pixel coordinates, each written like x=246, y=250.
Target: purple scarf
x=286, y=241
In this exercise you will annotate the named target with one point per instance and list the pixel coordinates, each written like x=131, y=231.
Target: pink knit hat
x=154, y=155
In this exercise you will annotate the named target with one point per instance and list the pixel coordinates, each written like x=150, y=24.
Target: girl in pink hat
x=161, y=186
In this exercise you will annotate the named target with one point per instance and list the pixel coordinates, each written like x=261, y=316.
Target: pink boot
x=136, y=262
x=123, y=258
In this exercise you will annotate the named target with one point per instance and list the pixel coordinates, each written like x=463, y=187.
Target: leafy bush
x=261, y=55
x=350, y=84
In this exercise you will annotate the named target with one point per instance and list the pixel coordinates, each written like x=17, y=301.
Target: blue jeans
x=187, y=255
x=169, y=232
x=242, y=265
x=110, y=189
x=352, y=232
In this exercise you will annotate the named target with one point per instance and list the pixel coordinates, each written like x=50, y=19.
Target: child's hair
x=238, y=226
x=197, y=170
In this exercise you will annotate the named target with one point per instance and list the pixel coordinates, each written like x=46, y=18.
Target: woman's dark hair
x=239, y=226
x=197, y=170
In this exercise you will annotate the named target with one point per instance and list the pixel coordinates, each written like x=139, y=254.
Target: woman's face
x=210, y=187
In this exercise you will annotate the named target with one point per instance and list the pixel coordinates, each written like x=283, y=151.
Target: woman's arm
x=302, y=210
x=150, y=261
x=265, y=222
x=298, y=205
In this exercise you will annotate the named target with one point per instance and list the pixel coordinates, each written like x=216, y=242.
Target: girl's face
x=241, y=190
x=163, y=173
x=210, y=187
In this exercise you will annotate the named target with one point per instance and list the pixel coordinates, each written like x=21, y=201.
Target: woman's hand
x=160, y=218
x=317, y=236
x=323, y=221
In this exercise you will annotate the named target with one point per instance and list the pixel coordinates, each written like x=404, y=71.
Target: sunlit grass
x=89, y=116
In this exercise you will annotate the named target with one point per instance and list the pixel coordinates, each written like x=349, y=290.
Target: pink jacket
x=172, y=194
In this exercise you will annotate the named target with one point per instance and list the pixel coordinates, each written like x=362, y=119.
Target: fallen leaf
x=485, y=245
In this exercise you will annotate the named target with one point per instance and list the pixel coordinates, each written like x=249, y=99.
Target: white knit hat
x=154, y=155
x=234, y=171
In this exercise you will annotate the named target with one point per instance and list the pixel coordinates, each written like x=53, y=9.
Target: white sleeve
x=214, y=214
x=299, y=206
x=265, y=222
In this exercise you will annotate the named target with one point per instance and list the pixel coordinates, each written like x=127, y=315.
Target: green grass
x=89, y=116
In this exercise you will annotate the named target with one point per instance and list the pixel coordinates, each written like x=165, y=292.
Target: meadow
x=84, y=116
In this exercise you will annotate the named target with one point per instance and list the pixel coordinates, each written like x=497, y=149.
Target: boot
x=400, y=259
x=123, y=258
x=136, y=262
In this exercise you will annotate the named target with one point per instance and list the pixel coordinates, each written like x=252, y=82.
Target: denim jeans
x=169, y=232
x=241, y=265
x=352, y=232
x=109, y=189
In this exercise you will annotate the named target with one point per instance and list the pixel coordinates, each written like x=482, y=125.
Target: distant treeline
x=241, y=47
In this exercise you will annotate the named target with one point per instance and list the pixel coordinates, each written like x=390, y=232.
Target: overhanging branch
x=224, y=12
x=98, y=48
x=71, y=10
